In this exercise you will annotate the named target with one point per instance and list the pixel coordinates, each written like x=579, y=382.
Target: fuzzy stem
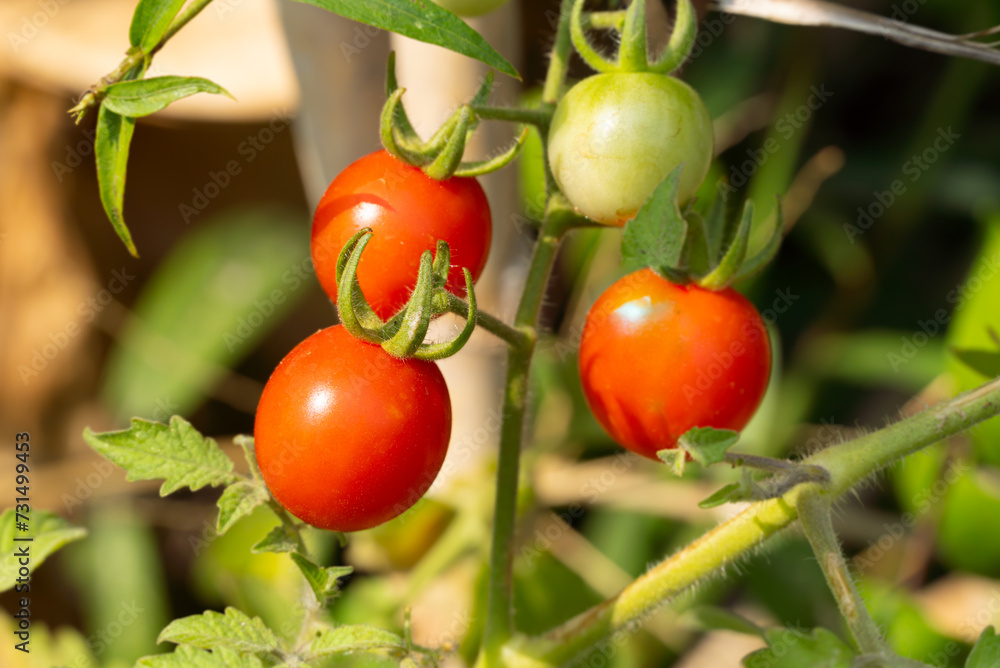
x=848, y=464
x=492, y=324
x=561, y=50
x=815, y=517
x=499, y=606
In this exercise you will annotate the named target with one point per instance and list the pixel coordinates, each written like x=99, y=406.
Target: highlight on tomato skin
x=348, y=437
x=657, y=359
x=408, y=212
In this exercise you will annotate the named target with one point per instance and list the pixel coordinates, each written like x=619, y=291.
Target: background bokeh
x=887, y=160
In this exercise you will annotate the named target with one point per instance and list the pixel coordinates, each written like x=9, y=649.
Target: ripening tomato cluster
x=348, y=436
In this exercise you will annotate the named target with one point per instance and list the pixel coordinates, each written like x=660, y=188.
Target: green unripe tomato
x=471, y=7
x=616, y=136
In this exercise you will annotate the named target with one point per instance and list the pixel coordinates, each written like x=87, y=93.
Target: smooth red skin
x=657, y=359
x=347, y=436
x=408, y=213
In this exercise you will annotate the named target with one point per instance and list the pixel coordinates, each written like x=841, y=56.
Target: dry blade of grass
x=827, y=14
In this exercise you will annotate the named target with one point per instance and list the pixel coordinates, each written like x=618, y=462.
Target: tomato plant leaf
x=189, y=657
x=986, y=652
x=323, y=580
x=281, y=538
x=421, y=20
x=239, y=500
x=790, y=648
x=706, y=445
x=233, y=630
x=986, y=362
x=177, y=453
x=114, y=135
x=655, y=237
x=151, y=20
x=48, y=532
x=354, y=638
x=727, y=494
x=146, y=96
x=763, y=257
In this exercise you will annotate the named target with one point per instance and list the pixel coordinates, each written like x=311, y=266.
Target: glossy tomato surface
x=615, y=137
x=657, y=359
x=408, y=212
x=347, y=436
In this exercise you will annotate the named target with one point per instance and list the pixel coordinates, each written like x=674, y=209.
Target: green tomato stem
x=492, y=324
x=816, y=520
x=499, y=605
x=848, y=464
x=559, y=60
x=538, y=117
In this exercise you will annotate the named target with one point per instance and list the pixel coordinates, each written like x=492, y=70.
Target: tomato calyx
x=440, y=157
x=711, y=250
x=403, y=334
x=631, y=27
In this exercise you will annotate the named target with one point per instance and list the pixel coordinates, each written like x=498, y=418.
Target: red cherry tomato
x=347, y=436
x=657, y=359
x=408, y=213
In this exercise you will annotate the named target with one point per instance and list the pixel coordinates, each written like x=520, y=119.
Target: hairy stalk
x=492, y=324
x=499, y=607
x=816, y=520
x=847, y=463
x=135, y=58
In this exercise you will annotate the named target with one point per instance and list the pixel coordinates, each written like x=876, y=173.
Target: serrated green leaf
x=48, y=531
x=727, y=494
x=177, y=453
x=724, y=273
x=986, y=652
x=706, y=445
x=354, y=638
x=232, y=630
x=281, y=538
x=147, y=96
x=151, y=20
x=421, y=20
x=114, y=135
x=655, y=237
x=323, y=580
x=239, y=500
x=189, y=657
x=789, y=648
x=986, y=362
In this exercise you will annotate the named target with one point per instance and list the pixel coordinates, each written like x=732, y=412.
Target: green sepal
x=725, y=272
x=656, y=236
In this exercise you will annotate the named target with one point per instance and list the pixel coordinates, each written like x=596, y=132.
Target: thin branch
x=827, y=14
